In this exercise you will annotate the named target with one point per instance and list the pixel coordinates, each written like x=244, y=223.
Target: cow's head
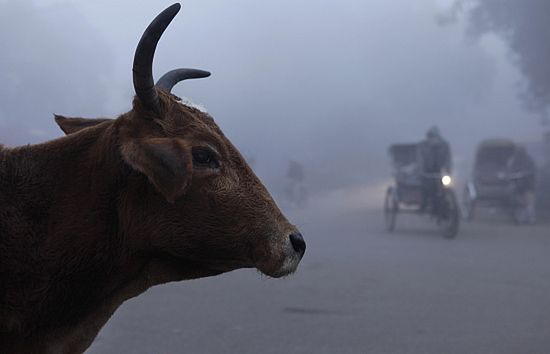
x=191, y=197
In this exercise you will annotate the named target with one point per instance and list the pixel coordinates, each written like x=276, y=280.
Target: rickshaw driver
x=436, y=159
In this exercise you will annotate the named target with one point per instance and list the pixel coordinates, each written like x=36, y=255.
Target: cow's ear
x=71, y=125
x=167, y=163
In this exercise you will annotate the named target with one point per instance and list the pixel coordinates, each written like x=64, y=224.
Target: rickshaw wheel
x=522, y=211
x=391, y=207
x=450, y=219
x=468, y=205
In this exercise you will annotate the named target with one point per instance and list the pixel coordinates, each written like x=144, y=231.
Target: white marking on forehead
x=187, y=102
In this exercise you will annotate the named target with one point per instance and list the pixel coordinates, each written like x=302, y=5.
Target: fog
x=327, y=84
x=520, y=24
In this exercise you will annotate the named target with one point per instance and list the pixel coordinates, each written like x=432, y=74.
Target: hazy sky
x=520, y=23
x=328, y=83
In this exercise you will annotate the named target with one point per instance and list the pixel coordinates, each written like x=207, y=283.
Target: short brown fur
x=117, y=206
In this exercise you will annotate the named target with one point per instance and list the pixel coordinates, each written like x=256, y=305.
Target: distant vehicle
x=406, y=195
x=503, y=177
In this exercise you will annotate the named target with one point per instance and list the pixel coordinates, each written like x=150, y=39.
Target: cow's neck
x=70, y=250
x=77, y=338
x=85, y=256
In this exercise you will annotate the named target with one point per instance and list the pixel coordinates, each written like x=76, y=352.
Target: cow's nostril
x=298, y=242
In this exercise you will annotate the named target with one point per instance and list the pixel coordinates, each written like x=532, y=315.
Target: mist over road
x=360, y=290
x=330, y=85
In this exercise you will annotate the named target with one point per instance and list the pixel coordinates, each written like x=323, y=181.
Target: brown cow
x=94, y=218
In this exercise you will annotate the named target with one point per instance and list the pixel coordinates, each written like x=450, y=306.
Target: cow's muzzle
x=298, y=243
x=284, y=256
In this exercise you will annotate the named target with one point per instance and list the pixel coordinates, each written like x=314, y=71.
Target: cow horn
x=143, y=58
x=171, y=78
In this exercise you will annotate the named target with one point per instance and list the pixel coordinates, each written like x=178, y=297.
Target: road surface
x=360, y=290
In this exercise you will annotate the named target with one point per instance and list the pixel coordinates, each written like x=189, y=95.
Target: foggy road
x=360, y=290
x=326, y=87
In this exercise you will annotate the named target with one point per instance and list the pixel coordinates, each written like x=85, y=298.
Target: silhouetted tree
x=524, y=25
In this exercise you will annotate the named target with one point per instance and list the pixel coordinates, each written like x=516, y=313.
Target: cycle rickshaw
x=503, y=177
x=407, y=194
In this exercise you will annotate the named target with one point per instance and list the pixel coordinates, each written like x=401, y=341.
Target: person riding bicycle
x=436, y=160
x=522, y=168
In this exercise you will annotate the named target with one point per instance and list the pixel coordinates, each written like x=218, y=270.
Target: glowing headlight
x=446, y=180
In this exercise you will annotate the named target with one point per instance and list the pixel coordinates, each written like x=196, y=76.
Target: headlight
x=446, y=180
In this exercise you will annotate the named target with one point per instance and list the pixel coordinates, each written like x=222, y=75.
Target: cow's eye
x=204, y=157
